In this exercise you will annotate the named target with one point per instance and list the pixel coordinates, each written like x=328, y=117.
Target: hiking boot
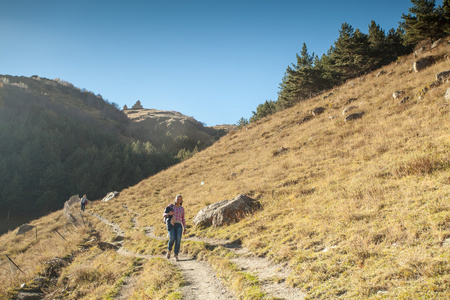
x=168, y=255
x=176, y=258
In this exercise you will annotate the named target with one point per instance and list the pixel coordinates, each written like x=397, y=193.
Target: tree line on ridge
x=354, y=54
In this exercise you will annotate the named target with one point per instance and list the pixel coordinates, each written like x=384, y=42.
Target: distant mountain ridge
x=151, y=124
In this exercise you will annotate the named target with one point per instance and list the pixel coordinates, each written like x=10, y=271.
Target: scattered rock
x=55, y=265
x=404, y=100
x=110, y=196
x=437, y=43
x=348, y=109
x=419, y=51
x=398, y=94
x=354, y=116
x=382, y=72
x=24, y=229
x=279, y=151
x=350, y=100
x=317, y=111
x=118, y=238
x=332, y=117
x=443, y=76
x=106, y=246
x=422, y=63
x=72, y=213
x=447, y=95
x=226, y=211
x=305, y=119
x=40, y=280
x=29, y=296
x=329, y=95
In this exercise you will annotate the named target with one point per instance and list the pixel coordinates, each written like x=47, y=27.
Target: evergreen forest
x=57, y=140
x=355, y=53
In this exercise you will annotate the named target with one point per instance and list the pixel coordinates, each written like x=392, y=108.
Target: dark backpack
x=167, y=210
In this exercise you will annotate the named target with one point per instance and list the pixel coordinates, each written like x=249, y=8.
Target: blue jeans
x=175, y=234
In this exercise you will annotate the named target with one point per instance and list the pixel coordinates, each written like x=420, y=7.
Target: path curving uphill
x=202, y=283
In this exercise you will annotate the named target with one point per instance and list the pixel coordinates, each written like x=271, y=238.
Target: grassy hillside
x=357, y=209
x=57, y=140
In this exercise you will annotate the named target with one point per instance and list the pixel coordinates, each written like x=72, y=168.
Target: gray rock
x=24, y=229
x=317, y=111
x=398, y=94
x=437, y=43
x=30, y=296
x=422, y=63
x=443, y=76
x=354, y=116
x=110, y=196
x=329, y=95
x=106, y=246
x=348, y=109
x=226, y=211
x=419, y=51
x=447, y=95
x=382, y=72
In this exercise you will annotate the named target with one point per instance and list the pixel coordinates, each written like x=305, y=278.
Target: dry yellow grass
x=31, y=253
x=357, y=209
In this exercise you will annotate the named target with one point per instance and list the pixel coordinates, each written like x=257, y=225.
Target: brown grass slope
x=357, y=209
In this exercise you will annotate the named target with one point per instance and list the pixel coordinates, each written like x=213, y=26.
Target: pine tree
x=444, y=12
x=263, y=110
x=301, y=81
x=424, y=21
x=242, y=122
x=351, y=53
x=378, y=44
x=396, y=46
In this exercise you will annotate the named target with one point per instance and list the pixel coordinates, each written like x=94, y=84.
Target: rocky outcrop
x=70, y=212
x=137, y=105
x=24, y=229
x=422, y=63
x=226, y=211
x=156, y=126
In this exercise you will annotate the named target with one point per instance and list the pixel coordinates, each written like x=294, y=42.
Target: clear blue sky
x=213, y=60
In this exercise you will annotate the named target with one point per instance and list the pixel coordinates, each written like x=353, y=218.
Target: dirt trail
x=272, y=275
x=201, y=280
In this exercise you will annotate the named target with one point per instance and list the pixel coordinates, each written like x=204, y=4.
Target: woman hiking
x=84, y=201
x=176, y=225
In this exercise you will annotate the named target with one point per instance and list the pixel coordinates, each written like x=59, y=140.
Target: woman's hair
x=176, y=197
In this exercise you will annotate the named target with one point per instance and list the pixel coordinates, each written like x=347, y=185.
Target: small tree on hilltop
x=242, y=122
x=268, y=108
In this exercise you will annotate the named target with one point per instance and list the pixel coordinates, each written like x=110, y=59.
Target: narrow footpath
x=202, y=283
